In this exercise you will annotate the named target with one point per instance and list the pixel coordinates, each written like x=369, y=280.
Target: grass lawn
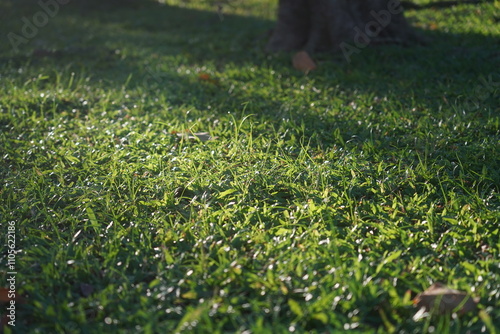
x=322, y=203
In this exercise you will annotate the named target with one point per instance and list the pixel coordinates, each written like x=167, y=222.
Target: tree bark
x=345, y=25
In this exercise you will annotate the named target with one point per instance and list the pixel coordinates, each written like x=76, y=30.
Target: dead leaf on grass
x=6, y=296
x=445, y=300
x=433, y=26
x=303, y=62
x=208, y=78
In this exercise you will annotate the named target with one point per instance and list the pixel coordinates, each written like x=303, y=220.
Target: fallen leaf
x=201, y=136
x=303, y=62
x=5, y=296
x=449, y=300
x=433, y=26
x=86, y=289
x=206, y=77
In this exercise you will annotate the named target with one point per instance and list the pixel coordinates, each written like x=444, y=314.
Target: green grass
x=325, y=204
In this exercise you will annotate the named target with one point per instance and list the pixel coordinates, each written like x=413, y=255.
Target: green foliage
x=326, y=202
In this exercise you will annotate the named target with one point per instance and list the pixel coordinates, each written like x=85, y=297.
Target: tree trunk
x=345, y=25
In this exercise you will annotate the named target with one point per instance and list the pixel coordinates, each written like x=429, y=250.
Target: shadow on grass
x=129, y=38
x=130, y=44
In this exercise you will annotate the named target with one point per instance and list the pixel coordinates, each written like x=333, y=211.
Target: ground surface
x=325, y=203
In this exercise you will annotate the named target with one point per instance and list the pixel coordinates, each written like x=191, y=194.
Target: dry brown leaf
x=204, y=76
x=201, y=136
x=449, y=300
x=208, y=78
x=6, y=294
x=433, y=26
x=10, y=297
x=303, y=62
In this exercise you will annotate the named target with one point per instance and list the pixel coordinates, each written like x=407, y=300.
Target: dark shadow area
x=126, y=43
x=102, y=35
x=97, y=34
